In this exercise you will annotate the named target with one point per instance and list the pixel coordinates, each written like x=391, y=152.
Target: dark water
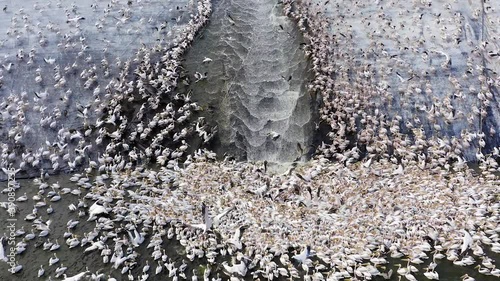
x=256, y=81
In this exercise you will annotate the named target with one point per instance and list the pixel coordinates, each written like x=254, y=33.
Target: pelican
x=76, y=277
x=200, y=76
x=22, y=198
x=466, y=277
x=95, y=210
x=432, y=275
x=238, y=269
x=53, y=260
x=135, y=239
x=145, y=269
x=466, y=241
x=49, y=60
x=16, y=268
x=303, y=255
x=60, y=270
x=119, y=261
x=54, y=246
x=30, y=236
x=274, y=135
x=158, y=268
x=95, y=245
x=236, y=238
x=3, y=257
x=41, y=271
x=55, y=198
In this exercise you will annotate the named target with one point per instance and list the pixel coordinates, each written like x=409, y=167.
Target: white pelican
x=16, y=269
x=3, y=257
x=53, y=260
x=238, y=269
x=303, y=255
x=41, y=271
x=466, y=277
x=95, y=210
x=432, y=275
x=95, y=245
x=135, y=239
x=466, y=241
x=76, y=277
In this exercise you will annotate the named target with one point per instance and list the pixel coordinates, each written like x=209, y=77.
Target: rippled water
x=255, y=84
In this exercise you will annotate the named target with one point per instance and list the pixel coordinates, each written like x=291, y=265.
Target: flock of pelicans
x=391, y=191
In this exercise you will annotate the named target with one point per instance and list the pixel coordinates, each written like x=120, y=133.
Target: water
x=256, y=82
x=90, y=61
x=77, y=261
x=256, y=85
x=412, y=69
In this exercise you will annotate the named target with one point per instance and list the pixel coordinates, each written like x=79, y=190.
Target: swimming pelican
x=53, y=260
x=95, y=245
x=238, y=269
x=159, y=268
x=146, y=267
x=60, y=270
x=466, y=277
x=432, y=275
x=16, y=269
x=30, y=236
x=55, y=246
x=76, y=277
x=135, y=239
x=41, y=271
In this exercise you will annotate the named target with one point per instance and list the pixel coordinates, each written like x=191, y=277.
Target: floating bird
x=236, y=269
x=3, y=257
x=16, y=268
x=49, y=60
x=53, y=260
x=274, y=136
x=41, y=271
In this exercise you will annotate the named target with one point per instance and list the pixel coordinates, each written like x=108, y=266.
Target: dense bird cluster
x=387, y=90
x=412, y=195
x=95, y=111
